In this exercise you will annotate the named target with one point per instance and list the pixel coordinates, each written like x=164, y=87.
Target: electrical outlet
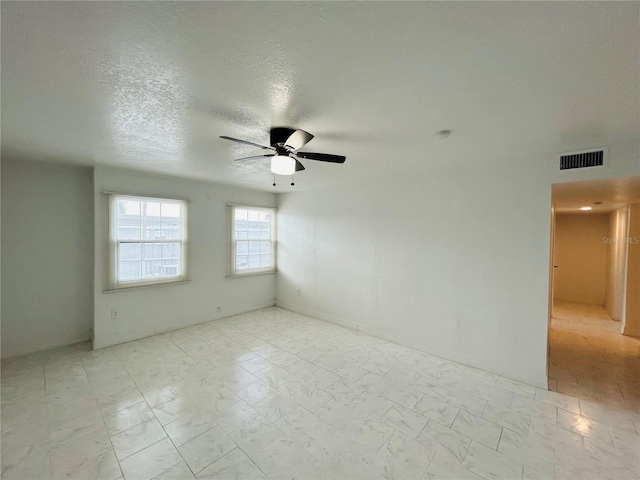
x=298, y=292
x=115, y=314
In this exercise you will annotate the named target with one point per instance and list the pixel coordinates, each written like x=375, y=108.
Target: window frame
x=273, y=268
x=114, y=244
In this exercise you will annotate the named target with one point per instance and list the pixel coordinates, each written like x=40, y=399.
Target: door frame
x=552, y=242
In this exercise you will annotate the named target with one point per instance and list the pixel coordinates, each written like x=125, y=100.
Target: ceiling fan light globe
x=283, y=165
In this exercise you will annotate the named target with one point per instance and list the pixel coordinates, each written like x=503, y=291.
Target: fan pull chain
x=274, y=179
x=292, y=184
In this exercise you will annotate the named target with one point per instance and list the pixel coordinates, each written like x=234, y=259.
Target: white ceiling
x=151, y=86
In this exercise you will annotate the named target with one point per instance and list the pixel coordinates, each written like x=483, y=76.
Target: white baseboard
x=103, y=343
x=504, y=370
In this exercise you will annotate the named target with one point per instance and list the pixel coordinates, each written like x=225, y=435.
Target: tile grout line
x=154, y=416
x=499, y=440
x=103, y=422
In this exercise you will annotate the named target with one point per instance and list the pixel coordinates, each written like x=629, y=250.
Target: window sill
x=145, y=285
x=251, y=274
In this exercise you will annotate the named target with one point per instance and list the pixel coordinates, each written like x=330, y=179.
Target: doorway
x=589, y=356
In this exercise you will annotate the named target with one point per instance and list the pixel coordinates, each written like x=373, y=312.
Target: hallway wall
x=614, y=300
x=632, y=311
x=581, y=255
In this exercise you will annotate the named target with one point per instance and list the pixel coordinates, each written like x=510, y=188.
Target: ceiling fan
x=285, y=143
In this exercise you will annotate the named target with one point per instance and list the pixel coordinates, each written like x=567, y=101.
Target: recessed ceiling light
x=585, y=209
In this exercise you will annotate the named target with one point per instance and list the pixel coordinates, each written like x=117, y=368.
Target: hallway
x=590, y=359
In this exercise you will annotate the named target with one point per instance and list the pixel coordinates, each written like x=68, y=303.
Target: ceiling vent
x=584, y=159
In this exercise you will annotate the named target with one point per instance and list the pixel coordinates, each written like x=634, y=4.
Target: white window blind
x=147, y=239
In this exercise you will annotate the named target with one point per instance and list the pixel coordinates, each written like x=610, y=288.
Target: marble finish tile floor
x=591, y=360
x=275, y=394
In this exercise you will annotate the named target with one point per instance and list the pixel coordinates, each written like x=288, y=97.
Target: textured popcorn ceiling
x=151, y=86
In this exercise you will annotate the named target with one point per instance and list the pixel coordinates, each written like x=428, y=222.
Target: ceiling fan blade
x=323, y=157
x=299, y=166
x=246, y=143
x=297, y=139
x=256, y=157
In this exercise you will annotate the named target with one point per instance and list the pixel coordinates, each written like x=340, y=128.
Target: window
x=253, y=240
x=147, y=238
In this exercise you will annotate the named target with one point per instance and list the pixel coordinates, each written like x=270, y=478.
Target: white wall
x=147, y=311
x=449, y=262
x=581, y=256
x=47, y=248
x=449, y=259
x=617, y=263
